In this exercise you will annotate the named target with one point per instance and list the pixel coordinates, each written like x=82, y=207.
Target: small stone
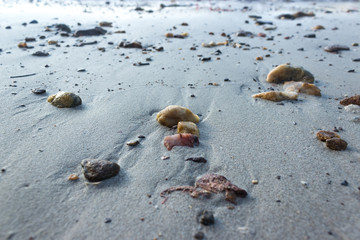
x=165, y=157
x=133, y=143
x=188, y=127
x=90, y=32
x=169, y=35
x=52, y=42
x=107, y=220
x=40, y=54
x=255, y=181
x=302, y=87
x=34, y=22
x=336, y=48
x=276, y=96
x=286, y=72
x=305, y=184
x=73, y=177
x=318, y=27
x=3, y=170
x=311, y=35
x=325, y=135
x=336, y=144
x=355, y=44
x=105, y=24
x=352, y=108
x=199, y=235
x=64, y=100
x=171, y=115
x=81, y=70
x=207, y=218
x=197, y=159
x=345, y=183
x=259, y=58
x=97, y=170
x=127, y=44
x=22, y=45
x=38, y=91
x=351, y=100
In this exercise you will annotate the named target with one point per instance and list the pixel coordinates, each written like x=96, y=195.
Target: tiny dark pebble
x=336, y=144
x=345, y=183
x=8, y=27
x=38, y=91
x=40, y=54
x=351, y=70
x=300, y=49
x=205, y=59
x=207, y=218
x=192, y=95
x=199, y=235
x=141, y=136
x=356, y=60
x=30, y=39
x=90, y=32
x=42, y=37
x=226, y=80
x=3, y=170
x=34, y=22
x=278, y=201
x=197, y=159
x=278, y=177
x=107, y=220
x=311, y=35
x=97, y=170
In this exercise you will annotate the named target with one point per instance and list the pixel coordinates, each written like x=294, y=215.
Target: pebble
x=38, y=91
x=90, y=32
x=336, y=48
x=318, y=27
x=188, y=127
x=107, y=220
x=64, y=100
x=52, y=42
x=255, y=181
x=197, y=159
x=206, y=218
x=205, y=59
x=355, y=44
x=40, y=54
x=302, y=87
x=305, y=184
x=276, y=96
x=127, y=44
x=356, y=59
x=133, y=143
x=97, y=170
x=173, y=114
x=336, y=144
x=34, y=22
x=345, y=183
x=81, y=70
x=351, y=100
x=199, y=235
x=22, y=45
x=73, y=177
x=325, y=135
x=182, y=139
x=105, y=24
x=311, y=35
x=165, y=157
x=286, y=72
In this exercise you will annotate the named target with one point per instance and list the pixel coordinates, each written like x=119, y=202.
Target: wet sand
x=299, y=194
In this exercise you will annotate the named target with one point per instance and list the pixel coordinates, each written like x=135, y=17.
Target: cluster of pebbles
x=332, y=140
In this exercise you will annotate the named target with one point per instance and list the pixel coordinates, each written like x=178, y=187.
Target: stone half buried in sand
x=182, y=139
x=188, y=127
x=276, y=96
x=64, y=100
x=97, y=169
x=171, y=115
x=208, y=184
x=302, y=87
x=285, y=72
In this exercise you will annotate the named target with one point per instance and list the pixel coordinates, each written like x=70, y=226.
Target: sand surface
x=242, y=138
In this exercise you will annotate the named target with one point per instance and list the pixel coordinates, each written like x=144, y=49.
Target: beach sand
x=299, y=194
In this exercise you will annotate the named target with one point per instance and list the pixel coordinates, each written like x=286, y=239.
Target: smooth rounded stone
x=97, y=169
x=336, y=48
x=286, y=72
x=199, y=235
x=64, y=100
x=324, y=135
x=318, y=27
x=276, y=96
x=38, y=91
x=351, y=100
x=336, y=144
x=171, y=115
x=105, y=24
x=302, y=87
x=188, y=127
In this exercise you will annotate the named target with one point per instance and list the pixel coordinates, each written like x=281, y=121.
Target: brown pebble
x=355, y=44
x=199, y=235
x=325, y=135
x=73, y=177
x=336, y=144
x=336, y=48
x=351, y=100
x=259, y=58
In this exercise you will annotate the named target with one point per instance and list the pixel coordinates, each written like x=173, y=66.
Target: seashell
x=64, y=100
x=325, y=135
x=182, y=139
x=336, y=48
x=351, y=100
x=171, y=115
x=302, y=87
x=336, y=144
x=276, y=96
x=188, y=127
x=286, y=72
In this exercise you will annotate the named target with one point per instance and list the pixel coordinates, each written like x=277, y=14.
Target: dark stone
x=38, y=91
x=351, y=100
x=126, y=44
x=97, y=170
x=30, y=39
x=63, y=27
x=336, y=144
x=8, y=27
x=197, y=159
x=90, y=32
x=205, y=59
x=199, y=235
x=40, y=54
x=207, y=218
x=311, y=35
x=107, y=220
x=34, y=22
x=345, y=183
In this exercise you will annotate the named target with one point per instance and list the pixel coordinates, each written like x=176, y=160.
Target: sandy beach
x=297, y=188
